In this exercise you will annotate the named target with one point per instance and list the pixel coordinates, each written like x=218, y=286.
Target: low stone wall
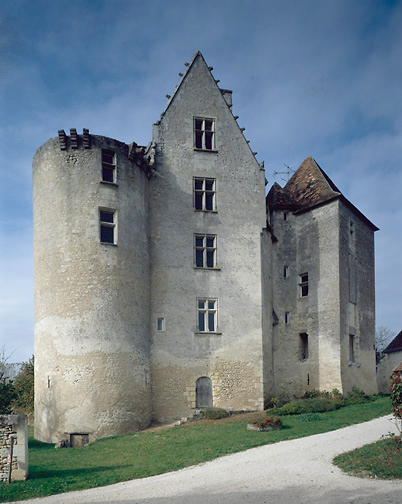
x=13, y=426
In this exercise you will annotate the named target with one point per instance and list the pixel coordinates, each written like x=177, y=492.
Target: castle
x=166, y=281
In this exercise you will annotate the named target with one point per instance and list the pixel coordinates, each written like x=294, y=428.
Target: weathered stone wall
x=232, y=356
x=384, y=370
x=357, y=301
x=14, y=426
x=91, y=298
x=307, y=243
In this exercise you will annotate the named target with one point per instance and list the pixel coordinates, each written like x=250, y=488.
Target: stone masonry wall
x=13, y=426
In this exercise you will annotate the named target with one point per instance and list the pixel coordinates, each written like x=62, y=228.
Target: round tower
x=91, y=283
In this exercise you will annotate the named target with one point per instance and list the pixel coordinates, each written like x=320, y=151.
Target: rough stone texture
x=91, y=298
x=232, y=357
x=102, y=364
x=15, y=426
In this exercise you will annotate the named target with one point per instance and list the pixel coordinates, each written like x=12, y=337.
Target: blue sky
x=313, y=77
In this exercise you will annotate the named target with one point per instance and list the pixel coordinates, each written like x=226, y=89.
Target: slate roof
x=395, y=345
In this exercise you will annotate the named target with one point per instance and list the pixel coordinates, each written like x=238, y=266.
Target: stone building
x=390, y=359
x=166, y=281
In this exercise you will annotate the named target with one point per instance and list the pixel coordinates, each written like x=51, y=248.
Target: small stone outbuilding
x=391, y=360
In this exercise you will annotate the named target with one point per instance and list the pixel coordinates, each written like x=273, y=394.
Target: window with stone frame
x=205, y=194
x=205, y=251
x=108, y=225
x=303, y=346
x=303, y=284
x=204, y=133
x=207, y=315
x=108, y=166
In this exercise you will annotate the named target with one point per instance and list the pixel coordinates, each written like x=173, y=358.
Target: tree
x=7, y=390
x=24, y=388
x=383, y=337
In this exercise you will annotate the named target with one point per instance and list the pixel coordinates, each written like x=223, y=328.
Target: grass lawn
x=156, y=451
x=380, y=459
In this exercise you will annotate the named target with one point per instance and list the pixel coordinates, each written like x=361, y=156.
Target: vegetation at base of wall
x=319, y=402
x=153, y=452
x=212, y=413
x=381, y=459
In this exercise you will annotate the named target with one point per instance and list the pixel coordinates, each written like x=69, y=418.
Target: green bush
x=357, y=396
x=24, y=388
x=7, y=396
x=269, y=421
x=311, y=405
x=212, y=413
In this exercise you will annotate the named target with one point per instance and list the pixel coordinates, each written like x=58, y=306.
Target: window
x=108, y=229
x=285, y=271
x=287, y=317
x=352, y=349
x=204, y=133
x=205, y=251
x=303, y=285
x=285, y=216
x=161, y=324
x=108, y=166
x=303, y=346
x=205, y=194
x=207, y=315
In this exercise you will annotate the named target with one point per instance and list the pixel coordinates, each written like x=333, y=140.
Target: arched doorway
x=203, y=388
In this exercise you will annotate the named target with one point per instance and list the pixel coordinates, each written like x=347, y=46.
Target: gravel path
x=297, y=471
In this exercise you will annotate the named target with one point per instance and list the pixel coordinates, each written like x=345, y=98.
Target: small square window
x=161, y=324
x=205, y=194
x=205, y=251
x=303, y=285
x=108, y=166
x=108, y=226
x=207, y=315
x=204, y=133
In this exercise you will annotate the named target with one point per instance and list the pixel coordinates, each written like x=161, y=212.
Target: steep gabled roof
x=188, y=68
x=395, y=345
x=310, y=185
x=279, y=199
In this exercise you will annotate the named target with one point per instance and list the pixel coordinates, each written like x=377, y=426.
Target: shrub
x=212, y=413
x=357, y=396
x=271, y=402
x=311, y=405
x=396, y=395
x=269, y=421
x=7, y=395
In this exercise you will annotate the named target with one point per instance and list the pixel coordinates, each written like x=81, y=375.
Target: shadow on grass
x=78, y=472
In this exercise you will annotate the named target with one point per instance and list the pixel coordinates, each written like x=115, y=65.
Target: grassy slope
x=148, y=453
